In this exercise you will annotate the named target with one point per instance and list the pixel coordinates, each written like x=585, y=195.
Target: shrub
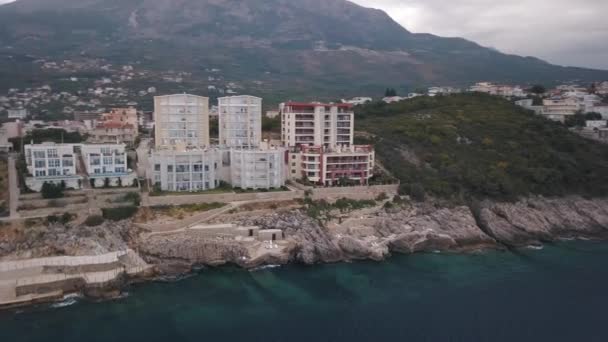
x=382, y=197
x=417, y=192
x=51, y=190
x=120, y=213
x=94, y=220
x=133, y=197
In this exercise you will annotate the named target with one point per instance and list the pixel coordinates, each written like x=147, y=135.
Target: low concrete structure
x=271, y=235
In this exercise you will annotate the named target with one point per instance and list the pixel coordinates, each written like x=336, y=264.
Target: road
x=13, y=188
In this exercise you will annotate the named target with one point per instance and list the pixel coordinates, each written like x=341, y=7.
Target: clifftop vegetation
x=468, y=146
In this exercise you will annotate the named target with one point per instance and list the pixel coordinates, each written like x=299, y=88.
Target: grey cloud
x=560, y=31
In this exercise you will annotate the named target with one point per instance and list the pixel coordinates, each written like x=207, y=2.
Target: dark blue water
x=557, y=294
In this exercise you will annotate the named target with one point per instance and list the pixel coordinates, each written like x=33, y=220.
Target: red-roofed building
x=118, y=126
x=320, y=139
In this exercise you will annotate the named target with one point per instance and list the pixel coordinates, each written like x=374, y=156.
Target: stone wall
x=354, y=192
x=185, y=199
x=329, y=194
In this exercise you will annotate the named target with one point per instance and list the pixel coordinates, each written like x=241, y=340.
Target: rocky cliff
x=378, y=232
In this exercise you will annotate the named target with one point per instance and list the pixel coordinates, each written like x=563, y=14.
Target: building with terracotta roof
x=120, y=125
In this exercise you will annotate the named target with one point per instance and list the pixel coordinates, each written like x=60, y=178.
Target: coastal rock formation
x=375, y=233
x=536, y=220
x=40, y=239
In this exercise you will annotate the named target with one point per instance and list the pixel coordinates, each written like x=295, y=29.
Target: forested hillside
x=478, y=146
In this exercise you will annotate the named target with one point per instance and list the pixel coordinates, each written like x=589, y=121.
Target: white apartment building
x=558, y=109
x=190, y=170
x=17, y=113
x=332, y=166
x=181, y=120
x=317, y=124
x=107, y=165
x=240, y=121
x=258, y=168
x=51, y=163
x=499, y=90
x=434, y=91
x=357, y=101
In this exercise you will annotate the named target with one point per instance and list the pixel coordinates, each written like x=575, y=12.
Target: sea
x=557, y=293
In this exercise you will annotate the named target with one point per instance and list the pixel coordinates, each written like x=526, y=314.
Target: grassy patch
x=180, y=211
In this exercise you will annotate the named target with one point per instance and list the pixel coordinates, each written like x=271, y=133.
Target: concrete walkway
x=13, y=188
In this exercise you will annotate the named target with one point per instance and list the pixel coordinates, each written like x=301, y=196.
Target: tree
x=51, y=190
x=390, y=92
x=538, y=89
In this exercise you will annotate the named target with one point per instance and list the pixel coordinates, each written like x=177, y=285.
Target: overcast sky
x=567, y=32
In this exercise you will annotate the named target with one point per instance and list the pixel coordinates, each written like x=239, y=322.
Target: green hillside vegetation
x=468, y=146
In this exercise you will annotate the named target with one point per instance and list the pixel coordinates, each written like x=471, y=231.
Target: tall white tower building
x=181, y=120
x=240, y=121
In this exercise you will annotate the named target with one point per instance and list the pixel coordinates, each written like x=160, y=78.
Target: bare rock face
x=192, y=249
x=41, y=240
x=538, y=220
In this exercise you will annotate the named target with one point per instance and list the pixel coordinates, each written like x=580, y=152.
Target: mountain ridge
x=332, y=46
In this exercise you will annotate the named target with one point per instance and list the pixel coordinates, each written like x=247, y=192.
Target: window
x=39, y=154
x=54, y=163
x=40, y=173
x=107, y=160
x=119, y=170
x=169, y=168
x=52, y=153
x=54, y=172
x=40, y=163
x=97, y=171
x=66, y=172
x=206, y=168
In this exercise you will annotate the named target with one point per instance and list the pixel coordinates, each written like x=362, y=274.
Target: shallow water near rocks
x=559, y=293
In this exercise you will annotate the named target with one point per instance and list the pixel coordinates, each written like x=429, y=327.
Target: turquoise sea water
x=559, y=293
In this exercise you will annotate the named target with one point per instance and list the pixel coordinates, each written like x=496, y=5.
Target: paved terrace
x=17, y=274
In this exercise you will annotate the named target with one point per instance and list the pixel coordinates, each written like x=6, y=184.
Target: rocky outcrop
x=376, y=233
x=536, y=220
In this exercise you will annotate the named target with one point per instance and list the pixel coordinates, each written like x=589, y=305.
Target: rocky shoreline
x=376, y=233
x=366, y=234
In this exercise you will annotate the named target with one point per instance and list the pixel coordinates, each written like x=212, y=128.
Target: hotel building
x=320, y=141
x=181, y=120
x=240, y=121
x=317, y=124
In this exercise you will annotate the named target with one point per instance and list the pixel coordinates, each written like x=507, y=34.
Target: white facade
x=393, y=99
x=434, y=91
x=52, y=163
x=357, y=101
x=107, y=163
x=240, y=121
x=330, y=167
x=558, y=109
x=257, y=169
x=181, y=120
x=316, y=124
x=17, y=113
x=191, y=170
